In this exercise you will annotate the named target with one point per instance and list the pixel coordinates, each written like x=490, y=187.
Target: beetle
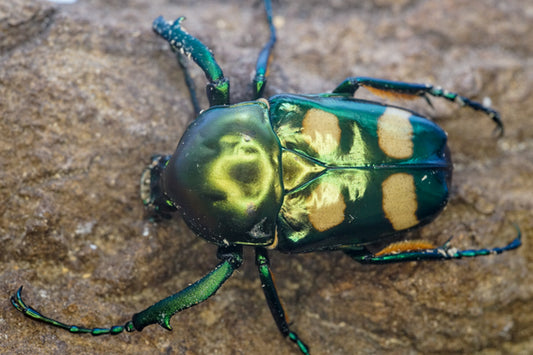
x=297, y=174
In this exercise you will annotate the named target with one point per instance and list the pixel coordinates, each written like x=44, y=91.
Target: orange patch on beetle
x=395, y=133
x=321, y=130
x=405, y=246
x=389, y=94
x=399, y=201
x=326, y=207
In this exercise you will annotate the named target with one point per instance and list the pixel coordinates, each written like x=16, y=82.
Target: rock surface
x=88, y=93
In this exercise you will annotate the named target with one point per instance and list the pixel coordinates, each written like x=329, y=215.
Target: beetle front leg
x=152, y=196
x=398, y=89
x=182, y=42
x=30, y=312
x=274, y=303
x=161, y=312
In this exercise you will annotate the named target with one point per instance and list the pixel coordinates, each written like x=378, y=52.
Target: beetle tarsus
x=21, y=306
x=301, y=345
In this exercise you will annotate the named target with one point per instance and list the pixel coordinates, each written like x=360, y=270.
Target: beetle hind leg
x=423, y=250
x=272, y=298
x=398, y=89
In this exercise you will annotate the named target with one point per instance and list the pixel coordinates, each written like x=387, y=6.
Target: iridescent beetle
x=295, y=173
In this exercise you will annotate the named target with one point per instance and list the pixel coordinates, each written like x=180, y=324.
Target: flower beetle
x=296, y=173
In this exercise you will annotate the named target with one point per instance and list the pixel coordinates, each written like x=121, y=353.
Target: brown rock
x=88, y=93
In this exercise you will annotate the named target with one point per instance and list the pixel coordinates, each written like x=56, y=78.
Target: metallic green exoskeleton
x=296, y=173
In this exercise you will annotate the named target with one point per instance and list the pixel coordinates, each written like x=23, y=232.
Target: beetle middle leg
x=271, y=295
x=400, y=89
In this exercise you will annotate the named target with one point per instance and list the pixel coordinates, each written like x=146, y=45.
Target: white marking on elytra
x=395, y=133
x=321, y=131
x=326, y=206
x=399, y=201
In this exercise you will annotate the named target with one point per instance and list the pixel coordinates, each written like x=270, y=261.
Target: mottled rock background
x=88, y=93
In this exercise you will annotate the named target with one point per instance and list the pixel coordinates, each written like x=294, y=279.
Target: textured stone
x=88, y=93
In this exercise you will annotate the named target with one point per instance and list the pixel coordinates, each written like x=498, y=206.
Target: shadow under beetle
x=295, y=173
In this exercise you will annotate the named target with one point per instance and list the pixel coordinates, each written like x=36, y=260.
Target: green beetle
x=304, y=173
x=295, y=173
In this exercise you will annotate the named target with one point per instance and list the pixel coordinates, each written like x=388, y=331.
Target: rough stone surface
x=88, y=93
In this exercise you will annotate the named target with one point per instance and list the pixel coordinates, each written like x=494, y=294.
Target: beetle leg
x=150, y=188
x=18, y=303
x=261, y=67
x=398, y=89
x=161, y=312
x=182, y=61
x=274, y=303
x=182, y=42
x=409, y=252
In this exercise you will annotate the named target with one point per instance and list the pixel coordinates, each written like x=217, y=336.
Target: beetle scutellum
x=295, y=173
